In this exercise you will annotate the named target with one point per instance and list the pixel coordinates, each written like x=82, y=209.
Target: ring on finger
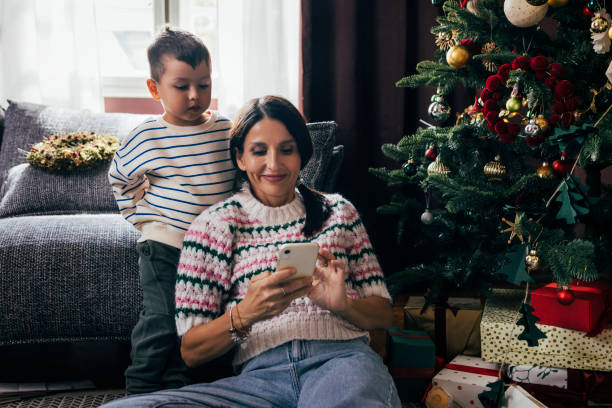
x=283, y=289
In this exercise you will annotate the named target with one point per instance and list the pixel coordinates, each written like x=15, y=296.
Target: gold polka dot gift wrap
x=562, y=348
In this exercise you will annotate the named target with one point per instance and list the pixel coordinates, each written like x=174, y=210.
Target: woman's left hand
x=328, y=288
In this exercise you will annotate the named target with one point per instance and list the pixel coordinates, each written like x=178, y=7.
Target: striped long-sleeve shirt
x=163, y=175
x=239, y=238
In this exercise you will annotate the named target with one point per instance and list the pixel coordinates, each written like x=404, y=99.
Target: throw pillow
x=29, y=191
x=26, y=124
x=1, y=123
x=323, y=135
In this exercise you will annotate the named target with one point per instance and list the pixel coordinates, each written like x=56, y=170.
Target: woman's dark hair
x=278, y=108
x=181, y=44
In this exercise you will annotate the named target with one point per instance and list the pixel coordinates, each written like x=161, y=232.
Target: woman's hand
x=269, y=294
x=328, y=287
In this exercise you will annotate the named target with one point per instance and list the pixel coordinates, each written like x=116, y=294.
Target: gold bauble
x=542, y=123
x=545, y=171
x=557, y=3
x=494, y=170
x=532, y=260
x=599, y=25
x=437, y=168
x=610, y=33
x=457, y=56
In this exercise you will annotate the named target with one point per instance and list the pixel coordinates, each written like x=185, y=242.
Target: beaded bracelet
x=238, y=336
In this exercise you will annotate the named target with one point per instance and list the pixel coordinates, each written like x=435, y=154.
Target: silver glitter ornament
x=532, y=129
x=439, y=110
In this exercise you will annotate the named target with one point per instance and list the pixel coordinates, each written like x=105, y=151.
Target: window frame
x=164, y=12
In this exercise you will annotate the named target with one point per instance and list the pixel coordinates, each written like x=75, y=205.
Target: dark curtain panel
x=353, y=52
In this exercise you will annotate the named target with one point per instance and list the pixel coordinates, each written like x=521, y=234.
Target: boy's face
x=183, y=91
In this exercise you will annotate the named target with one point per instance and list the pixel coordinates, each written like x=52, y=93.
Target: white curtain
x=49, y=53
x=258, y=51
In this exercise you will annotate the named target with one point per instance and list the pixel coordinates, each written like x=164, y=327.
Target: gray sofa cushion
x=68, y=278
x=1, y=123
x=333, y=169
x=29, y=191
x=323, y=136
x=26, y=124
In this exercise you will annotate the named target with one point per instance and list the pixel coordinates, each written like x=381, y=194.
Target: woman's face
x=271, y=161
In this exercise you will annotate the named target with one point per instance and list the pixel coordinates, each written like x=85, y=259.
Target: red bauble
x=431, y=153
x=562, y=166
x=565, y=297
x=588, y=13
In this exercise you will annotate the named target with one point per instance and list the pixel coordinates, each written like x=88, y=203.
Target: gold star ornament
x=514, y=228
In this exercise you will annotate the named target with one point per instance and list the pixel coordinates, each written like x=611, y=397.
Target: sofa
x=69, y=285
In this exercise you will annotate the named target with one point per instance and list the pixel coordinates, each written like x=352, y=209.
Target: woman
x=298, y=342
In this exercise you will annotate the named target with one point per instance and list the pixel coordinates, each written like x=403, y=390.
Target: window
x=254, y=45
x=126, y=28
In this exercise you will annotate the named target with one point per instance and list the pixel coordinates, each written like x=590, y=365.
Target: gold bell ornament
x=494, y=170
x=437, y=168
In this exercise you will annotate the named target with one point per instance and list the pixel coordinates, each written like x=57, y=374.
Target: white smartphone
x=301, y=255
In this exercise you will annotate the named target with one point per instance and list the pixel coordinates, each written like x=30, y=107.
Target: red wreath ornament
x=562, y=111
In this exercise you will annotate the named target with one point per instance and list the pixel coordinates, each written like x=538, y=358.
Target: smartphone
x=301, y=255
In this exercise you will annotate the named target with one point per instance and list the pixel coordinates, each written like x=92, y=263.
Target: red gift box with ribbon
x=589, y=311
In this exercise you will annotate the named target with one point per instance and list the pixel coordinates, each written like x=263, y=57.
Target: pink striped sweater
x=239, y=238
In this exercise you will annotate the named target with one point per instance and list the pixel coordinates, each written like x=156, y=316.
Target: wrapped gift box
x=563, y=348
x=530, y=374
x=462, y=328
x=464, y=378
x=584, y=313
x=411, y=356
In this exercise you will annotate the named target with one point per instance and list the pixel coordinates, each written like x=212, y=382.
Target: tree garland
x=72, y=151
x=561, y=112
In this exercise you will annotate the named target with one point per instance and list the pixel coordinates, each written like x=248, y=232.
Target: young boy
x=166, y=172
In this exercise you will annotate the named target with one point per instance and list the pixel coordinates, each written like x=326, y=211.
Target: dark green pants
x=156, y=360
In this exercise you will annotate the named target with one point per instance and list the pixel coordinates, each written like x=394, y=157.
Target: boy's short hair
x=181, y=44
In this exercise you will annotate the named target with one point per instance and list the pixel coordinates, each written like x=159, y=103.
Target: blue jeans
x=299, y=373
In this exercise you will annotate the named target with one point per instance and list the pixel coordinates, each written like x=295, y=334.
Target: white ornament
x=601, y=41
x=427, y=217
x=522, y=14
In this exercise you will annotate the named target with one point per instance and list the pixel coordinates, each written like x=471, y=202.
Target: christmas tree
x=511, y=187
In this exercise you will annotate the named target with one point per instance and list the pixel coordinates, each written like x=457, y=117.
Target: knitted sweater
x=239, y=238
x=164, y=175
